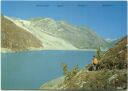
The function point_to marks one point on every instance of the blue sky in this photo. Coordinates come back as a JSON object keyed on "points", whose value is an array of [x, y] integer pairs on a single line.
{"points": [[108, 19]]}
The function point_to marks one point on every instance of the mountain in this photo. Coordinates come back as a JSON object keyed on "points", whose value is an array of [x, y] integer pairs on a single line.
{"points": [[49, 42], [80, 37], [16, 38], [113, 41], [62, 35]]}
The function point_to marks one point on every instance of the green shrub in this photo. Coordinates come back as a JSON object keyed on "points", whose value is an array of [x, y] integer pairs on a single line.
{"points": [[69, 74], [65, 69]]}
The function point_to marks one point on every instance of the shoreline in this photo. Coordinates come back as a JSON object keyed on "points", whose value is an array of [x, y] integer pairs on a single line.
{"points": [[5, 50], [51, 83]]}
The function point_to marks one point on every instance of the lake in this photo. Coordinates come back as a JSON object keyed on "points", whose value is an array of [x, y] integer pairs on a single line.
{"points": [[29, 70]]}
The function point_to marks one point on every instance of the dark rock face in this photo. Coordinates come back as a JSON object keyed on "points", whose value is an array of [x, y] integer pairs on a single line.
{"points": [[16, 38]]}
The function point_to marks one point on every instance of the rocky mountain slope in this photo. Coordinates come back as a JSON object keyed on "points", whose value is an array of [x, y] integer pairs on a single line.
{"points": [[110, 75], [16, 38], [59, 33], [49, 42], [115, 57], [80, 37]]}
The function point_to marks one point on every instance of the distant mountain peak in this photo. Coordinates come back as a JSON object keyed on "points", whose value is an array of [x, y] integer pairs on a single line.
{"points": [[110, 40]]}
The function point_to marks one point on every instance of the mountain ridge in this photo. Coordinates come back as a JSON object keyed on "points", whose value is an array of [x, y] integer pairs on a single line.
{"points": [[61, 35], [49, 42], [79, 37]]}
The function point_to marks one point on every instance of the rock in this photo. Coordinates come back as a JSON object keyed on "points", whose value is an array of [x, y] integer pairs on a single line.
{"points": [[113, 77], [54, 84]]}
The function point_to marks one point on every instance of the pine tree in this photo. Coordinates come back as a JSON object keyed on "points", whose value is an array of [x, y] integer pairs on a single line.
{"points": [[98, 53], [65, 69]]}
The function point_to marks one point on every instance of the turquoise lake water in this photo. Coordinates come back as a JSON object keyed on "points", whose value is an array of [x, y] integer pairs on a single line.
{"points": [[29, 70]]}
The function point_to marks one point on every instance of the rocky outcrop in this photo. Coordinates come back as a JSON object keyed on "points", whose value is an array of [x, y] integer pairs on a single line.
{"points": [[54, 84]]}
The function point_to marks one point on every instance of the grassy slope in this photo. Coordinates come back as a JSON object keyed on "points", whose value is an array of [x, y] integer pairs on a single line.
{"points": [[16, 38], [115, 57], [112, 72]]}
